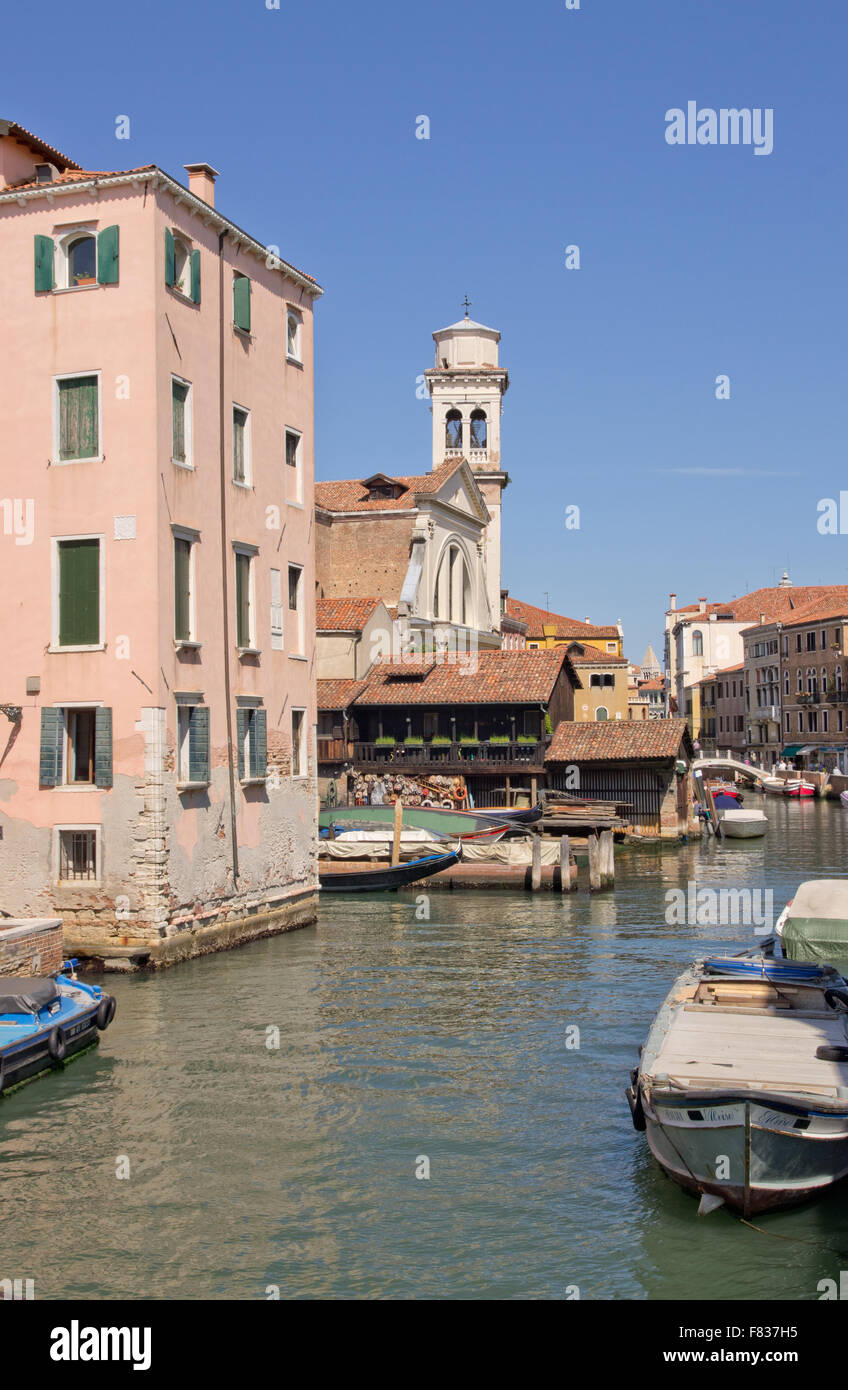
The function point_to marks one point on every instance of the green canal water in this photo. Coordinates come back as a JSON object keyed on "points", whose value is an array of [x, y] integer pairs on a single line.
{"points": [[295, 1166]]}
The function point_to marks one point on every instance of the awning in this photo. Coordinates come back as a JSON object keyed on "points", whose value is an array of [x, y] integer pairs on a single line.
{"points": [[790, 750], [809, 748]]}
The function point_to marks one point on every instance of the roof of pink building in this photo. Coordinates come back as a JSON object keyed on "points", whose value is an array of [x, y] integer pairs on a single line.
{"points": [[19, 132]]}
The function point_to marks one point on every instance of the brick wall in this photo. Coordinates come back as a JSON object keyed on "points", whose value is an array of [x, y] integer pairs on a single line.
{"points": [[33, 947], [362, 556]]}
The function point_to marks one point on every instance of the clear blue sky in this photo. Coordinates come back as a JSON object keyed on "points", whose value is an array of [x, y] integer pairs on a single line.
{"points": [[547, 128]]}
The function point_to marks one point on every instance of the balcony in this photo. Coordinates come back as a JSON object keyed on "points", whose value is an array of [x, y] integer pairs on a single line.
{"points": [[454, 756], [332, 750]]}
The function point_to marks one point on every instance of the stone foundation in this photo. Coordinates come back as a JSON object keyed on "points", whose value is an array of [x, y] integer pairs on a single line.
{"points": [[33, 947], [219, 929]]}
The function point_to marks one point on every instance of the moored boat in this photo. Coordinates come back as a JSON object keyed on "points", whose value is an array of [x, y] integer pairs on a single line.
{"points": [[742, 1087], [43, 1021], [459, 825], [740, 824], [814, 924], [350, 876], [773, 786], [843, 797], [517, 815], [799, 789]]}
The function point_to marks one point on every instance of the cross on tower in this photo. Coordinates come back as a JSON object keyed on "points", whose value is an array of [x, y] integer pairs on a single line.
{"points": [[467, 303]]}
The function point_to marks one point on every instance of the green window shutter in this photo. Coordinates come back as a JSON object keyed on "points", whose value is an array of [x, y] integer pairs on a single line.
{"points": [[179, 396], [195, 277], [103, 748], [242, 600], [49, 764], [44, 264], [241, 734], [182, 592], [259, 744], [107, 256], [170, 259], [198, 744], [79, 593], [78, 418], [241, 302]]}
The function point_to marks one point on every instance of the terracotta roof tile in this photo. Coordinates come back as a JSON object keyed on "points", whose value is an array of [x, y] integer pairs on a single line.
{"points": [[78, 176], [350, 494], [593, 656], [344, 614], [616, 740], [19, 132], [536, 618], [477, 678], [785, 602], [337, 693]]}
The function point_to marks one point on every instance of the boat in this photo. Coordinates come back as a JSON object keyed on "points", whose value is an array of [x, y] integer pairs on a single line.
{"points": [[350, 876], [814, 924], [725, 795], [459, 825], [742, 1086], [739, 824], [843, 797], [517, 815], [773, 786], [798, 788], [45, 1020]]}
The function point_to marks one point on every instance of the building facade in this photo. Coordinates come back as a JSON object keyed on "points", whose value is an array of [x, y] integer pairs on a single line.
{"points": [[157, 789]]}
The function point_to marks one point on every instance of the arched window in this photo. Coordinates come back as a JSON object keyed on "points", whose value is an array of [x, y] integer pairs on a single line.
{"points": [[182, 267], [811, 681], [453, 430], [697, 643], [839, 678], [602, 712], [453, 587], [478, 429], [76, 260], [293, 337], [800, 681], [824, 678]]}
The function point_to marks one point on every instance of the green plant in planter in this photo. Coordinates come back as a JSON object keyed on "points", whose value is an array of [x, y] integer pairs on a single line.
{"points": [[549, 728], [413, 741], [499, 738], [441, 740], [468, 738], [526, 738], [385, 741]]}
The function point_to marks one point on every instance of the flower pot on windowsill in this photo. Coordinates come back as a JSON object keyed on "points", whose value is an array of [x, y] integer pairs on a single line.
{"points": [[80, 280]]}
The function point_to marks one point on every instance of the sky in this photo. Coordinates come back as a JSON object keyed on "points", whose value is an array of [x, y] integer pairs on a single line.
{"points": [[547, 129]]}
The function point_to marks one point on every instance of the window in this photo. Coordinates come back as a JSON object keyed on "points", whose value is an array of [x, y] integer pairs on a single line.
{"points": [[293, 337], [81, 257], [594, 679], [76, 746], [610, 646], [184, 606], [453, 600], [82, 261], [824, 715], [245, 632], [786, 646], [786, 683], [77, 422], [298, 763], [78, 592], [786, 723], [811, 641], [609, 680], [813, 721], [296, 607], [79, 746], [800, 681], [839, 721], [241, 445], [602, 712], [798, 642], [276, 611], [241, 303], [478, 429], [181, 431], [823, 639], [800, 721], [78, 854], [697, 643], [182, 266], [252, 744], [192, 743], [294, 488], [453, 430]]}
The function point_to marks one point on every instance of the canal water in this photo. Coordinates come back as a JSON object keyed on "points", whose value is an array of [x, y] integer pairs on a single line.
{"points": [[407, 1044]]}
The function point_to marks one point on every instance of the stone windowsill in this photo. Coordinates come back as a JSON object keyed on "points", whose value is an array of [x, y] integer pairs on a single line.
{"points": [[192, 786], [252, 781], [248, 651], [186, 645]]}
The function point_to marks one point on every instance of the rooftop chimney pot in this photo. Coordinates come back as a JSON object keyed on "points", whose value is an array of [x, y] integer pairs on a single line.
{"points": [[201, 181]]}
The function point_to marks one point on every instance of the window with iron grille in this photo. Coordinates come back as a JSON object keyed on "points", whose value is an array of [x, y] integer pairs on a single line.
{"points": [[78, 855]]}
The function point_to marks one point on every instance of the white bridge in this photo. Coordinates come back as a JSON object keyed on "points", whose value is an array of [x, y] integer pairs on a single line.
{"points": [[756, 774]]}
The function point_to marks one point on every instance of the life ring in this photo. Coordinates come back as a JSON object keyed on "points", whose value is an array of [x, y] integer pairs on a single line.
{"points": [[106, 1011], [427, 802], [447, 804], [56, 1046]]}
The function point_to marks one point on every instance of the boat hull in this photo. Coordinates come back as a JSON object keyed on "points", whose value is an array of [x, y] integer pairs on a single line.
{"points": [[32, 1058], [459, 825], [800, 791], [744, 825], [765, 1161], [352, 878]]}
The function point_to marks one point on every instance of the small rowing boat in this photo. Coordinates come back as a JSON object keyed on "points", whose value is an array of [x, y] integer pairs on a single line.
{"points": [[739, 824]]}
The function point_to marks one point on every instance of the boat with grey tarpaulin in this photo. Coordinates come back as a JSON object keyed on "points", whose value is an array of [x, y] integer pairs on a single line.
{"points": [[459, 825], [742, 1086]]}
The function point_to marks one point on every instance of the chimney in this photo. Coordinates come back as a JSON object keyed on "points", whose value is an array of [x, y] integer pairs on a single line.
{"points": [[762, 619], [702, 605], [201, 181], [672, 602]]}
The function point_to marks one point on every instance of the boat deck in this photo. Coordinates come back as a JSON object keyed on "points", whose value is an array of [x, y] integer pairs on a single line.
{"points": [[769, 1049]]}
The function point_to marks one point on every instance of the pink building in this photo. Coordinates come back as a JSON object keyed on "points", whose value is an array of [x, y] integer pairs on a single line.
{"points": [[157, 770]]}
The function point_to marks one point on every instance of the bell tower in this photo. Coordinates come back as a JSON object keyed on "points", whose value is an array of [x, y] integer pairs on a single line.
{"points": [[467, 387]]}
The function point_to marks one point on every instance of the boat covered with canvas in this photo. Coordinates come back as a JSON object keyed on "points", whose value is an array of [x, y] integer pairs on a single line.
{"points": [[741, 824], [814, 924], [46, 1019], [742, 1086], [459, 825]]}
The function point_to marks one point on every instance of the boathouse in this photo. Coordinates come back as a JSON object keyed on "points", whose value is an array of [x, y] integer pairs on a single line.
{"points": [[642, 765]]}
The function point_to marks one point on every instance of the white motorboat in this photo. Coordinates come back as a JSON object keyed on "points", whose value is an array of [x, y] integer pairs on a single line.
{"points": [[773, 786], [743, 824], [742, 1087]]}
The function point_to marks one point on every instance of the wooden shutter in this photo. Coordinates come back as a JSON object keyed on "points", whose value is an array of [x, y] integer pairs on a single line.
{"points": [[50, 760], [276, 611], [179, 396], [79, 593], [241, 302], [103, 748], [239, 427], [195, 277], [170, 257], [198, 744], [258, 743], [78, 418], [107, 256], [241, 734], [182, 592], [44, 264]]}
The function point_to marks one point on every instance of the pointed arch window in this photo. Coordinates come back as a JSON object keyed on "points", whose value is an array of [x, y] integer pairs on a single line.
{"points": [[453, 587], [697, 643], [453, 430], [479, 429]]}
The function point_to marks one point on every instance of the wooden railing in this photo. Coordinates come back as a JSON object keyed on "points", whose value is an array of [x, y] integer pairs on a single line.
{"points": [[332, 750], [484, 754]]}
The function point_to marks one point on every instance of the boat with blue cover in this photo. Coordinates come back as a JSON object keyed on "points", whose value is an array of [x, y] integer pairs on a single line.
{"points": [[45, 1020]]}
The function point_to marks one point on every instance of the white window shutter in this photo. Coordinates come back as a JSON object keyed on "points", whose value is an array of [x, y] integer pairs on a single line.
{"points": [[276, 611]]}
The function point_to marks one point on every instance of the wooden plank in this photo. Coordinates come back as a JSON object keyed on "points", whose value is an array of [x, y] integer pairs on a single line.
{"points": [[396, 837]]}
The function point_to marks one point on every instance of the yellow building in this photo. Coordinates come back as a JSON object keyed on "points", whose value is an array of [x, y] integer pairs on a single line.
{"points": [[546, 629], [595, 651]]}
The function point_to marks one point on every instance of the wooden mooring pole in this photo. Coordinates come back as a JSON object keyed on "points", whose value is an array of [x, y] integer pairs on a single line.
{"points": [[396, 836], [565, 883], [593, 845], [607, 856], [536, 869]]}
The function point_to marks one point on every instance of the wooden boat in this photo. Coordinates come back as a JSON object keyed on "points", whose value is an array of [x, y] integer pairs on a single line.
{"points": [[799, 789], [739, 824], [459, 825], [43, 1021], [350, 876], [725, 794], [814, 924], [773, 786], [742, 1087], [517, 815]]}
